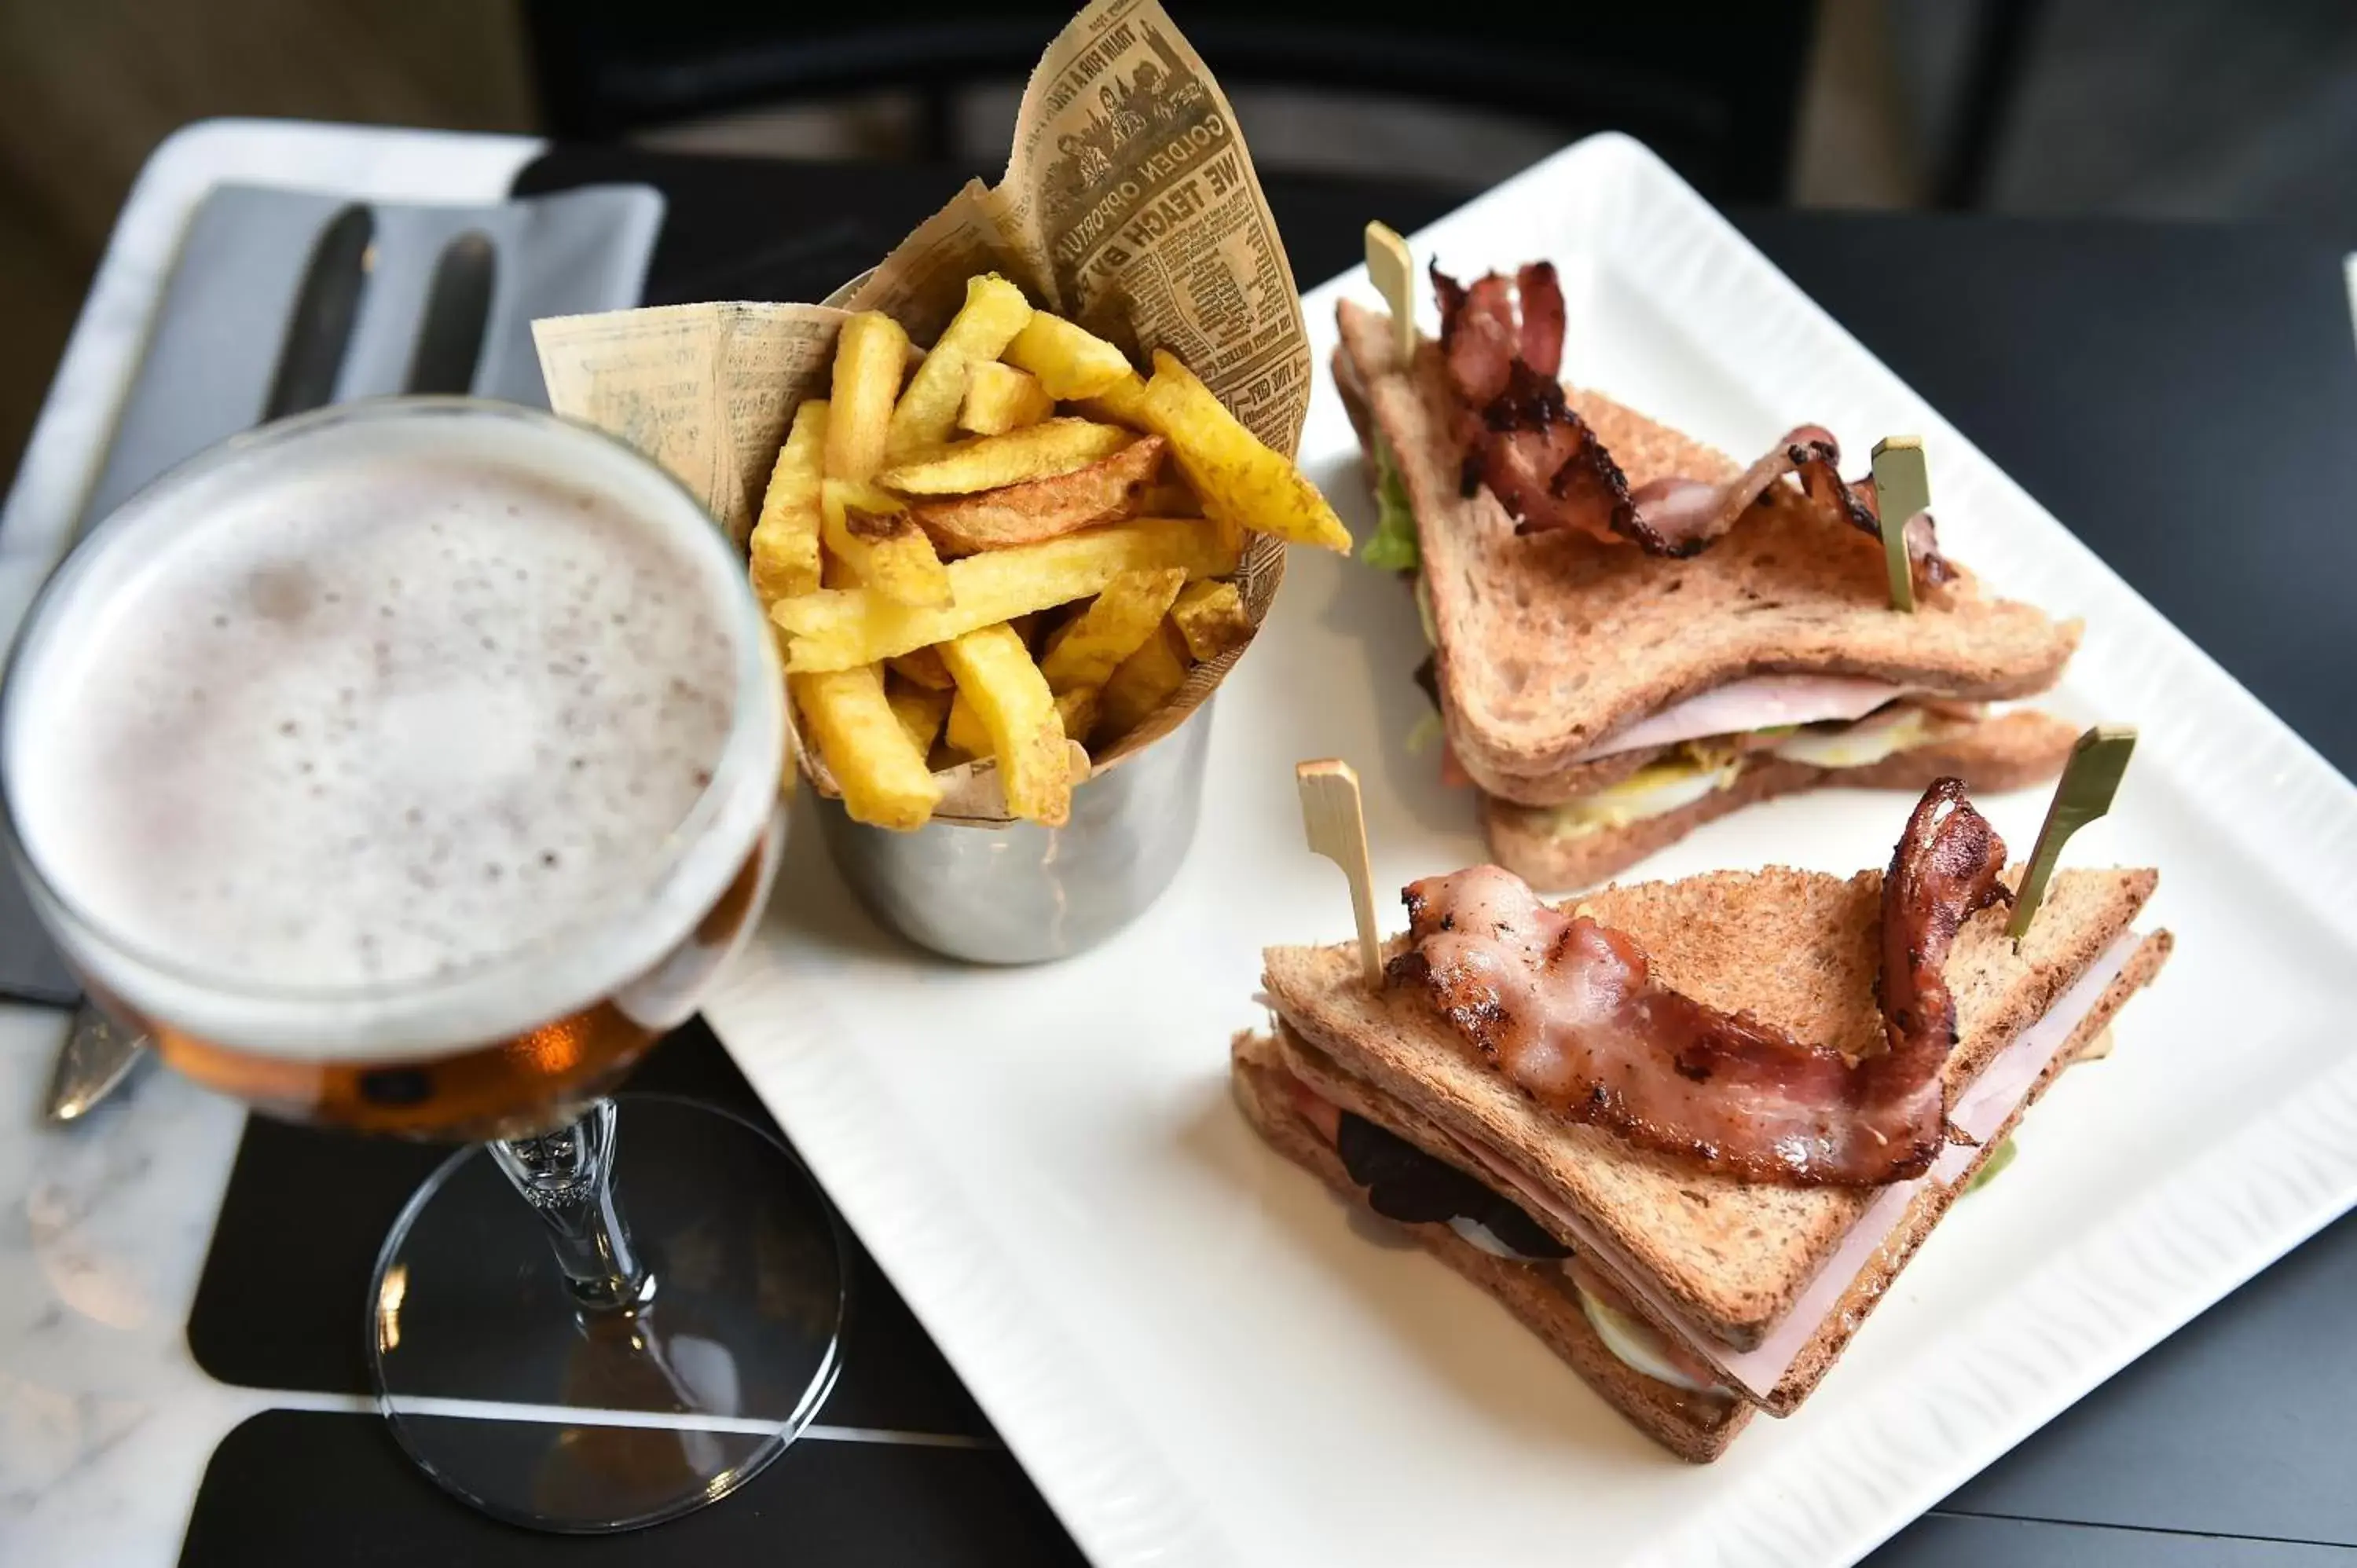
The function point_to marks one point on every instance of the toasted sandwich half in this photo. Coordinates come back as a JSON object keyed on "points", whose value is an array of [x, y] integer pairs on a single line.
{"points": [[1686, 1294], [1608, 699]]}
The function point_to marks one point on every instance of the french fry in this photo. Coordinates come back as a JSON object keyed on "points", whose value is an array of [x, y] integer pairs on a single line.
{"points": [[1086, 651], [1168, 498], [1039, 451], [1078, 708], [1242, 482], [964, 733], [876, 537], [1042, 509], [920, 712], [1122, 401], [837, 629], [1071, 361], [1210, 619], [994, 312], [1000, 398], [1145, 681], [869, 355], [783, 546], [883, 777], [924, 667], [967, 741], [995, 674]]}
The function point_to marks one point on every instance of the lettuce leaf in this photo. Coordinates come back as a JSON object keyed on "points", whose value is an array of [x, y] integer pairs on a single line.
{"points": [[1999, 1157], [1393, 547]]}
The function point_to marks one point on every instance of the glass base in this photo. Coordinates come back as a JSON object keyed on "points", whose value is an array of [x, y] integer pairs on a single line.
{"points": [[620, 1417]]}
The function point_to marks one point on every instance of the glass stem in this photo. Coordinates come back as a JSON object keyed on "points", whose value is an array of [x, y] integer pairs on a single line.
{"points": [[567, 1176]]}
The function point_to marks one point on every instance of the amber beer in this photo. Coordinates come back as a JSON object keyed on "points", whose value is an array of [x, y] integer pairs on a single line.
{"points": [[408, 768], [520, 1085]]}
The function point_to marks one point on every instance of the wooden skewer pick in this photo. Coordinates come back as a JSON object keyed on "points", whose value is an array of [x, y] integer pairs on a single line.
{"points": [[1902, 487], [2089, 781], [1335, 822], [1393, 269]]}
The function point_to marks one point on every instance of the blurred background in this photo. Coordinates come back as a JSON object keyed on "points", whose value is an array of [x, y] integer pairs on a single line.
{"points": [[2157, 109]]}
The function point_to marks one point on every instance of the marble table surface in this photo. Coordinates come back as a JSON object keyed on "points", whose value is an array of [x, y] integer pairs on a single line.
{"points": [[106, 1423]]}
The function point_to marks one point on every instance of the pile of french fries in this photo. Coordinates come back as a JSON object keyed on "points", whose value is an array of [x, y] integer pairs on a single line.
{"points": [[1017, 544]]}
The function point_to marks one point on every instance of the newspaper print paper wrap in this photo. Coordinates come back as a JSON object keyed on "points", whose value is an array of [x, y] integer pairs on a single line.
{"points": [[1129, 204]]}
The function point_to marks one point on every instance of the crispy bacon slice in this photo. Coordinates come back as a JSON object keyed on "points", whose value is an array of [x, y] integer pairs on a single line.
{"points": [[1487, 329], [1480, 337], [1568, 1009], [1541, 297], [1502, 344], [1814, 455], [1944, 871], [1545, 465], [1685, 517]]}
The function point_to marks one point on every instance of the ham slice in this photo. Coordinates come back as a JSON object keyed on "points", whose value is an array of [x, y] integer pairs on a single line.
{"points": [[1756, 702]]}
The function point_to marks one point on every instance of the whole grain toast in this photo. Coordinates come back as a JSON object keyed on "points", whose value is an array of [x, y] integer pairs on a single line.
{"points": [[2008, 751], [1797, 949], [1694, 1427], [1786, 589]]}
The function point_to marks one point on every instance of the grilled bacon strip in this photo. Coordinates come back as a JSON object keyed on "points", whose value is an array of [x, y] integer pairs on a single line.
{"points": [[1480, 336], [1944, 871], [1502, 345], [1543, 462], [1541, 297], [1814, 455], [1569, 1010]]}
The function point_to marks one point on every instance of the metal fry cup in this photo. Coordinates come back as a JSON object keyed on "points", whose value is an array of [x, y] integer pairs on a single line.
{"points": [[990, 890], [1024, 894]]}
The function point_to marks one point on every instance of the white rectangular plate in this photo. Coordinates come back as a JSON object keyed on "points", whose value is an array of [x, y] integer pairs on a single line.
{"points": [[1200, 1358]]}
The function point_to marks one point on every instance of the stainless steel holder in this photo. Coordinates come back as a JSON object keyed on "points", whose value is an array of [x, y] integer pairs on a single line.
{"points": [[1024, 893]]}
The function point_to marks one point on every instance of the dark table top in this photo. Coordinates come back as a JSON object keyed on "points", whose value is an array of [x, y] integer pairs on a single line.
{"points": [[2184, 397]]}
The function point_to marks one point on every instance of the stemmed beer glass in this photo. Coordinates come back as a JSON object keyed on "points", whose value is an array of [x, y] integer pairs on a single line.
{"points": [[411, 767]]}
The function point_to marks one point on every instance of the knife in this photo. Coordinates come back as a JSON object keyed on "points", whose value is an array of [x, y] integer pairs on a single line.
{"points": [[458, 308], [327, 308], [99, 1054]]}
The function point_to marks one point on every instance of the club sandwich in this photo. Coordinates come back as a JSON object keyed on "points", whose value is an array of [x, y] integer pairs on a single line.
{"points": [[1633, 633], [1690, 1132]]}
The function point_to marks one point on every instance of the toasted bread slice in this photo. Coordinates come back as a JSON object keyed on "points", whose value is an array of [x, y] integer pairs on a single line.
{"points": [[1795, 949], [2009, 751], [1694, 1427], [1027, 513], [1520, 618]]}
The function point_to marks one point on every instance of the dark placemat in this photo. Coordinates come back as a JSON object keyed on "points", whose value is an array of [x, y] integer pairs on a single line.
{"points": [[280, 1304], [300, 1487]]}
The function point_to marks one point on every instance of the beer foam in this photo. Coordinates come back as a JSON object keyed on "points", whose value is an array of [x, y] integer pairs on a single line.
{"points": [[384, 713]]}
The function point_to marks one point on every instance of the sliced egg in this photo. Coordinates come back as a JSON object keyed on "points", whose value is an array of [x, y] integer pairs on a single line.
{"points": [[1899, 728], [1482, 1236], [1648, 792], [1638, 1346]]}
